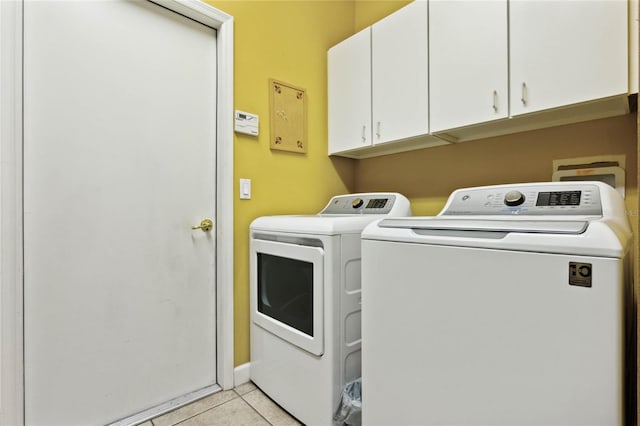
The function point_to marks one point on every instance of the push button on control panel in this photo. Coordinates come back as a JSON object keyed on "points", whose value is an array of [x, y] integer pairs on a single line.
{"points": [[514, 198]]}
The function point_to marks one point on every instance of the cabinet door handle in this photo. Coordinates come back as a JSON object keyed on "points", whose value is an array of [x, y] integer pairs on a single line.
{"points": [[495, 101], [378, 130], [524, 94], [364, 131]]}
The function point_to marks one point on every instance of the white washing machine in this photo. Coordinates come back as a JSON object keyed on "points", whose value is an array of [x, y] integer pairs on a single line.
{"points": [[508, 308], [305, 302]]}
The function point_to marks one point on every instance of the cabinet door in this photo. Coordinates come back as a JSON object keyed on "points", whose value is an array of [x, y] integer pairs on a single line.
{"points": [[400, 74], [566, 51], [468, 62], [349, 91]]}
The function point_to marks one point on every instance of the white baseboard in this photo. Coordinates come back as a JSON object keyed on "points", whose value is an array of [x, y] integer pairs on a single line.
{"points": [[241, 374]]}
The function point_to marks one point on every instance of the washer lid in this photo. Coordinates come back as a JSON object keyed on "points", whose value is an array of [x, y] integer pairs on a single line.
{"points": [[344, 214], [595, 237], [524, 226], [314, 225]]}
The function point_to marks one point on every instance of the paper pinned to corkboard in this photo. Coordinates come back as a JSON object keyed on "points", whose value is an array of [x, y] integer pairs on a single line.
{"points": [[288, 117]]}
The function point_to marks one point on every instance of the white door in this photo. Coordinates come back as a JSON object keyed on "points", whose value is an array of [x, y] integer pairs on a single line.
{"points": [[565, 52], [349, 93], [119, 163], [468, 49], [399, 64]]}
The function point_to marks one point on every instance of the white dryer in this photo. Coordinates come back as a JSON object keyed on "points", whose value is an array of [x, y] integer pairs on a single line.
{"points": [[305, 302], [508, 308]]}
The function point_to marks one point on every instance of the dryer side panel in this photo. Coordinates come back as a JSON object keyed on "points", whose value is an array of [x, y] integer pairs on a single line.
{"points": [[350, 309]]}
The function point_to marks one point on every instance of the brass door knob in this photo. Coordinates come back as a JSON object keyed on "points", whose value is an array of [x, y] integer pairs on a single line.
{"points": [[205, 225]]}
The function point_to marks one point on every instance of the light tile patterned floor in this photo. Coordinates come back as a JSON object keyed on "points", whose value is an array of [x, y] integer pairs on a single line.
{"points": [[244, 405]]}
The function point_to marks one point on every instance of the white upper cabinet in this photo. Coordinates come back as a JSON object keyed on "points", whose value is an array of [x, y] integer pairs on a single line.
{"points": [[468, 54], [379, 87], [349, 91], [564, 52], [399, 74], [442, 71]]}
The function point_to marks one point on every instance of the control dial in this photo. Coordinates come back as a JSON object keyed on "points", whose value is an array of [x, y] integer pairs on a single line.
{"points": [[514, 198], [357, 203]]}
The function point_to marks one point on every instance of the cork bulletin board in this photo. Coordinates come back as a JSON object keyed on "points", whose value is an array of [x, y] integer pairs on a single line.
{"points": [[288, 117]]}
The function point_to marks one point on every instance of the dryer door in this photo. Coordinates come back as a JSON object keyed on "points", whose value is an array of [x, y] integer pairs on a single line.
{"points": [[287, 292]]}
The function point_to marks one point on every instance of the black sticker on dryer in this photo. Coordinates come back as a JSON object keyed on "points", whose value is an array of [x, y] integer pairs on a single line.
{"points": [[580, 274]]}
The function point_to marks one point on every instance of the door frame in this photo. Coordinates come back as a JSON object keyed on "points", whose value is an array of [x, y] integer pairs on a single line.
{"points": [[11, 198]]}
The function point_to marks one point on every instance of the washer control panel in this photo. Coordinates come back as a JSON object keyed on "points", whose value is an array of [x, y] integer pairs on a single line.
{"points": [[550, 199], [381, 203]]}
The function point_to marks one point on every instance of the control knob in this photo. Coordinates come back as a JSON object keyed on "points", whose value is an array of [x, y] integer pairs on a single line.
{"points": [[357, 203], [514, 198]]}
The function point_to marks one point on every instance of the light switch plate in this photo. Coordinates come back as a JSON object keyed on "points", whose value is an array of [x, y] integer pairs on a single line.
{"points": [[245, 189]]}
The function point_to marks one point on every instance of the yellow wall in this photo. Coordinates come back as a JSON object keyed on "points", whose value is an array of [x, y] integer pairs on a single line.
{"points": [[428, 176], [369, 11], [636, 240], [287, 41]]}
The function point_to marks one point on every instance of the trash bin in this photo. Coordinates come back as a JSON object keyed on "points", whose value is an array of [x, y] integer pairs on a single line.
{"points": [[349, 409]]}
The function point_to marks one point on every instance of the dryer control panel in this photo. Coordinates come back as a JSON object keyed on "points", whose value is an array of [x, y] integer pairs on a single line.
{"points": [[369, 203], [580, 199]]}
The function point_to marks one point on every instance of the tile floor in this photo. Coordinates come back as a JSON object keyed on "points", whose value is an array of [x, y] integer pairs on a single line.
{"points": [[244, 405]]}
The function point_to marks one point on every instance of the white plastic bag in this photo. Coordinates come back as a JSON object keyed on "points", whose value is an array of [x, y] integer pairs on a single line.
{"points": [[350, 407]]}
